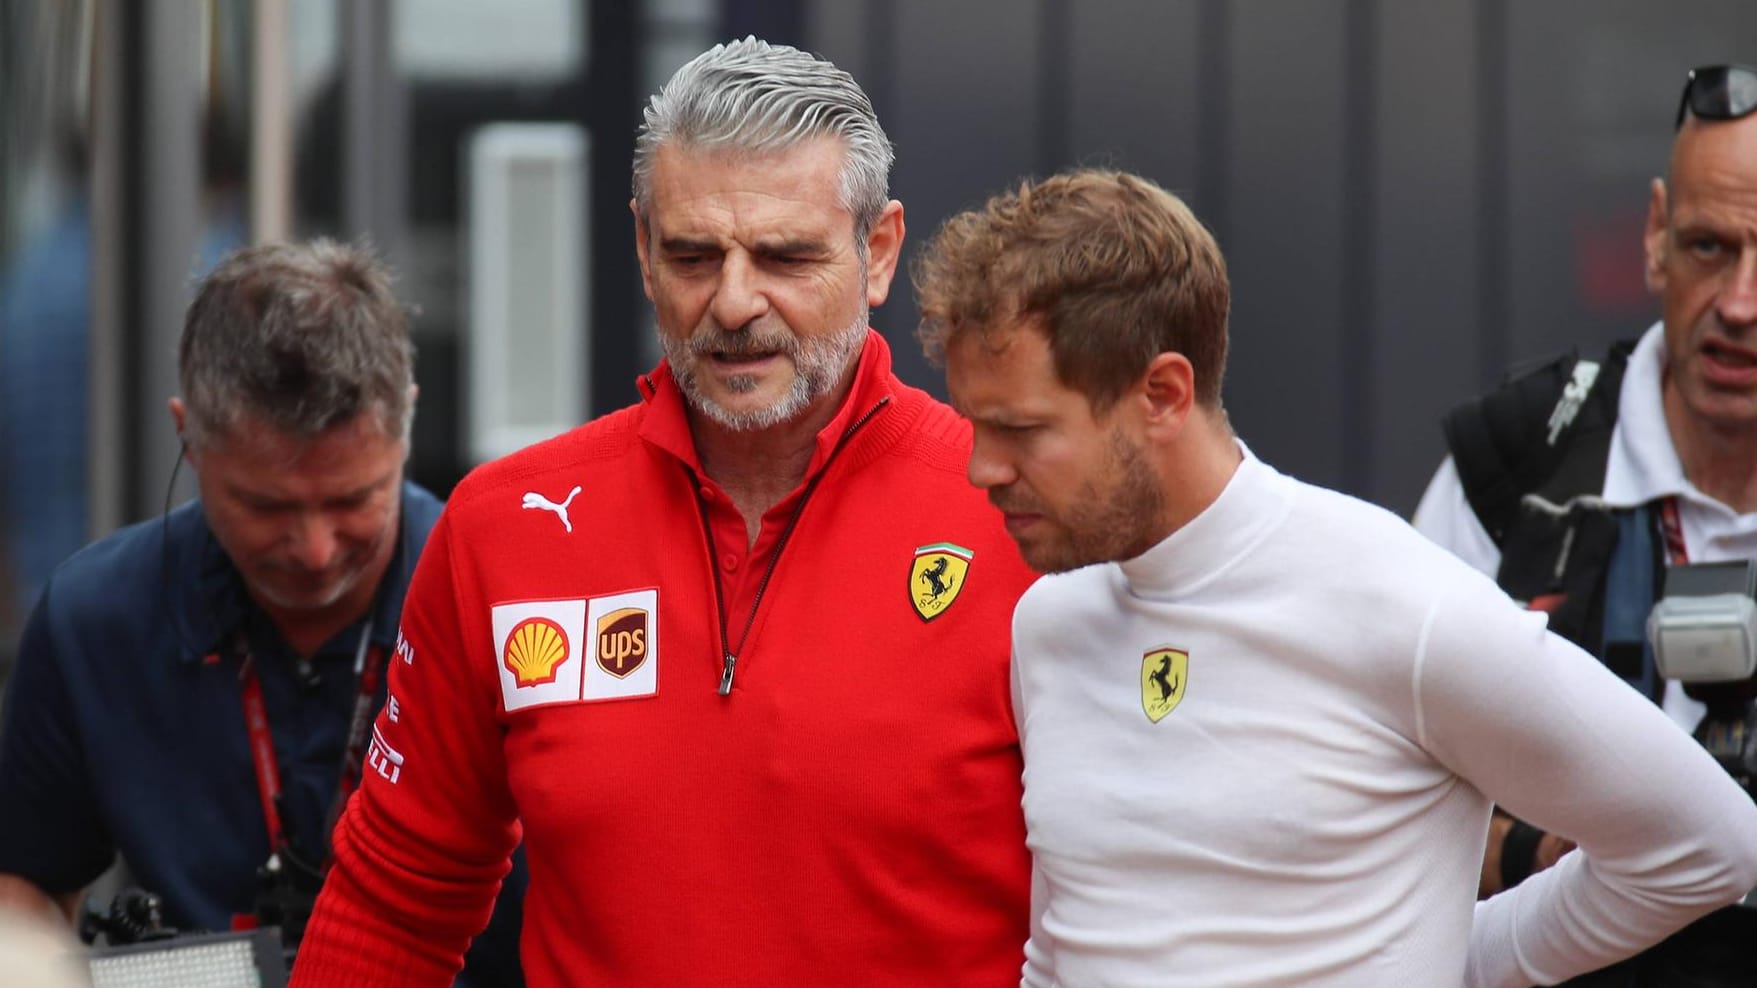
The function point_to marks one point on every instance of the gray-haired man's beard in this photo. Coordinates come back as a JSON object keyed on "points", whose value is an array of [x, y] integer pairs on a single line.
{"points": [[819, 363]]}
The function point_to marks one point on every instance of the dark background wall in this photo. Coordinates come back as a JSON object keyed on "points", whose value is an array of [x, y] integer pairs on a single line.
{"points": [[1411, 194]]}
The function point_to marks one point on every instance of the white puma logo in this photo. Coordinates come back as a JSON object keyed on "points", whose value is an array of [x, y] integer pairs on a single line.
{"points": [[536, 500]]}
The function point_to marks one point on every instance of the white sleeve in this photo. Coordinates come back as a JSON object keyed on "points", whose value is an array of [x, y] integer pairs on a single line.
{"points": [[1039, 971], [1542, 728], [1039, 962], [1446, 518]]}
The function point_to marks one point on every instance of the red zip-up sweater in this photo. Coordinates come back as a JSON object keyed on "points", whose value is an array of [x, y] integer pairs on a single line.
{"points": [[789, 765]]}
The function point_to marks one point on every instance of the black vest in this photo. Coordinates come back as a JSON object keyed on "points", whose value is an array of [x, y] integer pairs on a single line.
{"points": [[1531, 456]]}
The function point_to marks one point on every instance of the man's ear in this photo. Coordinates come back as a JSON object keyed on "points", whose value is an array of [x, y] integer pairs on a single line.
{"points": [[884, 245], [179, 415], [1168, 391], [640, 248], [1655, 239]]}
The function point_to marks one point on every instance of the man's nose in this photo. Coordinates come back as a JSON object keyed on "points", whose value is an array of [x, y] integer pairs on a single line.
{"points": [[316, 542], [987, 469], [1736, 304], [739, 298]]}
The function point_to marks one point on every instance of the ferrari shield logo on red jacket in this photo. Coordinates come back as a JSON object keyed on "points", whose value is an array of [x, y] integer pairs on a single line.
{"points": [[937, 577]]}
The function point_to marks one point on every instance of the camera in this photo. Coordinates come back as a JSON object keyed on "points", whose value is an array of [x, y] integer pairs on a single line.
{"points": [[1703, 631], [131, 945], [1704, 628], [135, 916], [139, 951]]}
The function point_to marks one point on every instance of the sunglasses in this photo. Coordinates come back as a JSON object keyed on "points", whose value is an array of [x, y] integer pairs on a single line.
{"points": [[1718, 92]]}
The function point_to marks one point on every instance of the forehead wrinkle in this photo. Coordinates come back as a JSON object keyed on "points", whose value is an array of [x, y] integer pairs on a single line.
{"points": [[1722, 212], [1722, 152], [996, 366], [714, 220], [791, 182]]}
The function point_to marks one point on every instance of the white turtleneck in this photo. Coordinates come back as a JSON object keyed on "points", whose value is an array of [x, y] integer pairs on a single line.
{"points": [[1313, 810]]}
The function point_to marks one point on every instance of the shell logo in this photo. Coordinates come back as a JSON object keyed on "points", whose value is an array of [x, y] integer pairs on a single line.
{"points": [[535, 650]]}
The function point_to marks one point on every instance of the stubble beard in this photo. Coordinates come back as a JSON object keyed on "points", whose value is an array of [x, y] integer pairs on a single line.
{"points": [[818, 365], [1109, 523]]}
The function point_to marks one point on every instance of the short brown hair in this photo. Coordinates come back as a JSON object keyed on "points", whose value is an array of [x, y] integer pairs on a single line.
{"points": [[303, 336], [1115, 269]]}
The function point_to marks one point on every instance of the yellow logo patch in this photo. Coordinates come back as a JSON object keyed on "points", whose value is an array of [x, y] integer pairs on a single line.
{"points": [[1165, 671], [534, 650], [937, 578]]}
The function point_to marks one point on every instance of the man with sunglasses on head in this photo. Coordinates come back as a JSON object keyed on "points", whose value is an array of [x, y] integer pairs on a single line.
{"points": [[1582, 484]]}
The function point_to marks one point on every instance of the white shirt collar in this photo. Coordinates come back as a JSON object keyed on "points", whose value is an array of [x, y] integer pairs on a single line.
{"points": [[1253, 502], [1644, 465]]}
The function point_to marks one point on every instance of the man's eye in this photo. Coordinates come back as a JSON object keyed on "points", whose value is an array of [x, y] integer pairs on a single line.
{"points": [[1705, 248]]}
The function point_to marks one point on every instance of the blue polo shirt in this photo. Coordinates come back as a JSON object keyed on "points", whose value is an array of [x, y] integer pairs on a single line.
{"points": [[123, 727]]}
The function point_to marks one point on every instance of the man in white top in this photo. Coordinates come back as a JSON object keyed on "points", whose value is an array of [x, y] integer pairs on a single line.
{"points": [[1263, 722], [1670, 450]]}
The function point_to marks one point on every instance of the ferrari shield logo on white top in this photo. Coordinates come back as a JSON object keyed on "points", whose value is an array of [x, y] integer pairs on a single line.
{"points": [[1165, 674]]}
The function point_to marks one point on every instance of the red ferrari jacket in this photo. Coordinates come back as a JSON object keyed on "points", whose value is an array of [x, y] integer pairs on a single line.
{"points": [[789, 765]]}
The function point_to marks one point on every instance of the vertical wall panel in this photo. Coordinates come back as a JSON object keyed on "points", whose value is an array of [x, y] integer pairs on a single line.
{"points": [[1136, 90], [1425, 316], [1286, 216], [841, 32], [164, 246], [964, 126]]}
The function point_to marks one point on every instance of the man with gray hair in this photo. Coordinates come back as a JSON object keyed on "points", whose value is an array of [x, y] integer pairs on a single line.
{"points": [[194, 692], [735, 657]]}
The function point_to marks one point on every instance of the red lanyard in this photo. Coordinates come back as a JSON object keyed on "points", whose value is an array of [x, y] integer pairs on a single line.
{"points": [[1672, 530], [368, 667]]}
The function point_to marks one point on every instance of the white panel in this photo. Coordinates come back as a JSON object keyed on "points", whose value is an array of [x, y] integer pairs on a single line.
{"points": [[526, 351]]}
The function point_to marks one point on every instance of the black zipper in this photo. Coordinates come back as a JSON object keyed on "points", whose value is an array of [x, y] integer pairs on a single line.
{"points": [[729, 657]]}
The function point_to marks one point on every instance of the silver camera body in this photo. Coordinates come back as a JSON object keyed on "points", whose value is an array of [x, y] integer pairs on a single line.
{"points": [[1704, 628]]}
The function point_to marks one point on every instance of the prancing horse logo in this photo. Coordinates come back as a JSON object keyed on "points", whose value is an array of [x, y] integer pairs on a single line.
{"points": [[937, 577], [536, 500], [1165, 674]]}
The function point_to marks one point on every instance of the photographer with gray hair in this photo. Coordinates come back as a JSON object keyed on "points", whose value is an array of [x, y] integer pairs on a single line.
{"points": [[194, 692], [734, 657]]}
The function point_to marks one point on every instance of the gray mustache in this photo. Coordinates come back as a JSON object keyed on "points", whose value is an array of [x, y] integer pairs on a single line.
{"points": [[740, 344]]}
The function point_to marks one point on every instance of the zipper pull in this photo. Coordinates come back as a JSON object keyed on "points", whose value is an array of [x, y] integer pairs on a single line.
{"points": [[726, 674]]}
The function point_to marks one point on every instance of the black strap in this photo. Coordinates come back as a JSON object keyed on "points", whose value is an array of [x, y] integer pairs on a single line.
{"points": [[369, 664], [1518, 852], [1546, 430]]}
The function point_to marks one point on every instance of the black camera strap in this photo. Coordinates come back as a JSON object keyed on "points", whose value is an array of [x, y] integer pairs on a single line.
{"points": [[369, 662]]}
